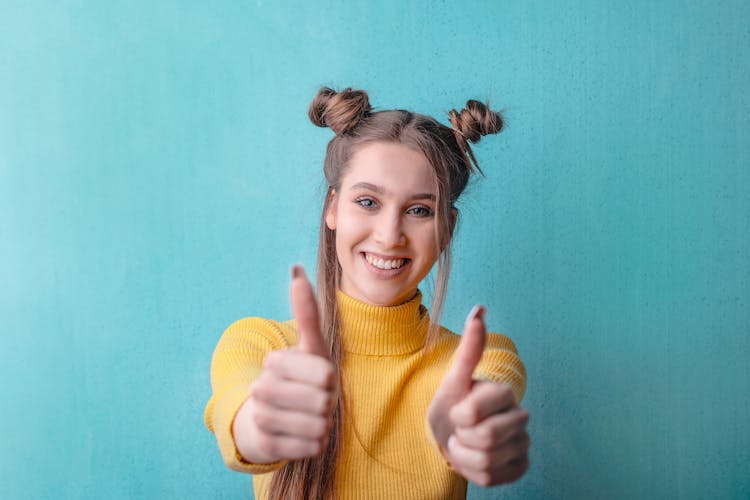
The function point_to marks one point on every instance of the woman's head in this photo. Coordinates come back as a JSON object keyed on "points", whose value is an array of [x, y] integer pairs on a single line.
{"points": [[361, 132], [382, 215]]}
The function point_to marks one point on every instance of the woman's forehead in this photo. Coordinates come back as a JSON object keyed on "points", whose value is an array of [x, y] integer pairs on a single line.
{"points": [[390, 167]]}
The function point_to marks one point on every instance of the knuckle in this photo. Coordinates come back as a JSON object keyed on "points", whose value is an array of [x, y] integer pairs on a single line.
{"points": [[506, 391], [485, 434], [488, 445], [519, 470], [261, 391], [482, 439], [312, 448], [321, 372], [324, 404], [525, 442], [328, 375], [271, 359], [496, 433], [320, 428], [522, 416], [483, 462], [484, 479], [453, 416], [463, 413], [264, 420], [267, 445], [315, 448], [462, 435]]}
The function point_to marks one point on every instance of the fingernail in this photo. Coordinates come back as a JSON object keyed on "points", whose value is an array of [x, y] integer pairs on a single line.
{"points": [[477, 312], [472, 313], [480, 312], [297, 271], [451, 442]]}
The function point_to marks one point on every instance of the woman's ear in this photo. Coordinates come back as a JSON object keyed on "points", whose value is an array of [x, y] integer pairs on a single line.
{"points": [[331, 209]]}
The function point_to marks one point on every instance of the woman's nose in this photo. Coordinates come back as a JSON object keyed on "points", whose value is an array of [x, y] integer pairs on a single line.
{"points": [[389, 231]]}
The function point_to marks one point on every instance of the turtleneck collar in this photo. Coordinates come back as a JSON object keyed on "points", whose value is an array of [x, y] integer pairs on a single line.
{"points": [[382, 330]]}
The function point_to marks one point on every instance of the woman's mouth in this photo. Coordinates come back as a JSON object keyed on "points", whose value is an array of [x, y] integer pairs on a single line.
{"points": [[382, 263], [385, 264]]}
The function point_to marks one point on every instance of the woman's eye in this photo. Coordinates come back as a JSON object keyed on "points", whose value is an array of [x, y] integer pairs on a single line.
{"points": [[421, 211], [367, 203]]}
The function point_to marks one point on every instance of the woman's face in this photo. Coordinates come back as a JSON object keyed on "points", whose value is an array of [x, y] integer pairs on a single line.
{"points": [[384, 218]]}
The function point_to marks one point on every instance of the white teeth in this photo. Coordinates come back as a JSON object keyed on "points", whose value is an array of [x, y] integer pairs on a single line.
{"points": [[384, 264]]}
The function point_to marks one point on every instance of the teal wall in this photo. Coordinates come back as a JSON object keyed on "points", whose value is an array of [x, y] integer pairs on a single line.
{"points": [[158, 176]]}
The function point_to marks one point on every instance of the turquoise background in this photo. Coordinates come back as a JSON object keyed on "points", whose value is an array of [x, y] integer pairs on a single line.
{"points": [[158, 176]]}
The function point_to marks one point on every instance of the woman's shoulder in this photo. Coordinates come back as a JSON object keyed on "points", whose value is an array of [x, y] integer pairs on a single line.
{"points": [[257, 330]]}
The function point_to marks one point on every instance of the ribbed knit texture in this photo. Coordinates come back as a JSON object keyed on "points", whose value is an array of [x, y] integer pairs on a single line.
{"points": [[389, 379]]}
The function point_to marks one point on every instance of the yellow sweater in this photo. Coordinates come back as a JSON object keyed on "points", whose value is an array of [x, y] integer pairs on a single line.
{"points": [[389, 380]]}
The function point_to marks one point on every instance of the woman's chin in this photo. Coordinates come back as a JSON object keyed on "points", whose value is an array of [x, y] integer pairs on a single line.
{"points": [[377, 292]]}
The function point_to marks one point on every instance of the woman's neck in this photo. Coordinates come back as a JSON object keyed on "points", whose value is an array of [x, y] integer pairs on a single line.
{"points": [[382, 330]]}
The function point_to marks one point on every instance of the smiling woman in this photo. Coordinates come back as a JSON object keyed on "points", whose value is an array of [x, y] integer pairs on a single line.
{"points": [[383, 216], [363, 394]]}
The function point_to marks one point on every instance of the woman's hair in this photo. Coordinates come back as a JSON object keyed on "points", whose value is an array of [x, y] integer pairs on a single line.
{"points": [[349, 114]]}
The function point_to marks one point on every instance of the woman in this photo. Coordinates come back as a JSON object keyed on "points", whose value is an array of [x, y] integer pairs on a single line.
{"points": [[362, 395]]}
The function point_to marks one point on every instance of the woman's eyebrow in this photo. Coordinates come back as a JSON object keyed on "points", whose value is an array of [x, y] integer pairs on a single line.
{"points": [[377, 189], [367, 185], [424, 196]]}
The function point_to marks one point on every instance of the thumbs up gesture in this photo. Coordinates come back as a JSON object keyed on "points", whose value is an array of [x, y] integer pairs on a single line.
{"points": [[477, 424], [289, 413]]}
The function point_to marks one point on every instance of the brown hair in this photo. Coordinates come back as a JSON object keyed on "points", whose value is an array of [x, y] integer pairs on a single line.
{"points": [[349, 114]]}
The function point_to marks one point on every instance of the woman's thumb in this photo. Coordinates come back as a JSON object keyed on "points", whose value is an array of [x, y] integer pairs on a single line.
{"points": [[468, 353], [305, 311]]}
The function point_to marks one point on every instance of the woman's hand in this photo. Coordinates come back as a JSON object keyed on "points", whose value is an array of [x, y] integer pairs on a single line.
{"points": [[477, 424], [289, 413]]}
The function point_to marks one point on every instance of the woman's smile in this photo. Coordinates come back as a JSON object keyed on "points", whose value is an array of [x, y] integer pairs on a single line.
{"points": [[380, 263]]}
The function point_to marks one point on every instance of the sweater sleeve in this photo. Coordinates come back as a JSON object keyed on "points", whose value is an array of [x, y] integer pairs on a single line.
{"points": [[237, 361], [500, 363]]}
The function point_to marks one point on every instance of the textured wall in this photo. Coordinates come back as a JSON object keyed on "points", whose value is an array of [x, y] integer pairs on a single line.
{"points": [[158, 176]]}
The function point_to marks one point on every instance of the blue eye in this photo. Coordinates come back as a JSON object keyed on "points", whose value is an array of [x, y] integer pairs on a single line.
{"points": [[366, 203], [421, 211]]}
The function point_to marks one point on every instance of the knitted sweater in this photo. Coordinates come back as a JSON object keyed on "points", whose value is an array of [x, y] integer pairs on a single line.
{"points": [[389, 379]]}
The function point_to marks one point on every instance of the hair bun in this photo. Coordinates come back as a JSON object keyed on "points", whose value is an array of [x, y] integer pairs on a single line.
{"points": [[341, 111], [474, 121]]}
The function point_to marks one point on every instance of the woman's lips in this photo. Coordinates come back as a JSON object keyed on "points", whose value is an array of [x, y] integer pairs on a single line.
{"points": [[385, 266]]}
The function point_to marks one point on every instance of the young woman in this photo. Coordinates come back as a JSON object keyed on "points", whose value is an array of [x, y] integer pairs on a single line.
{"points": [[363, 395]]}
